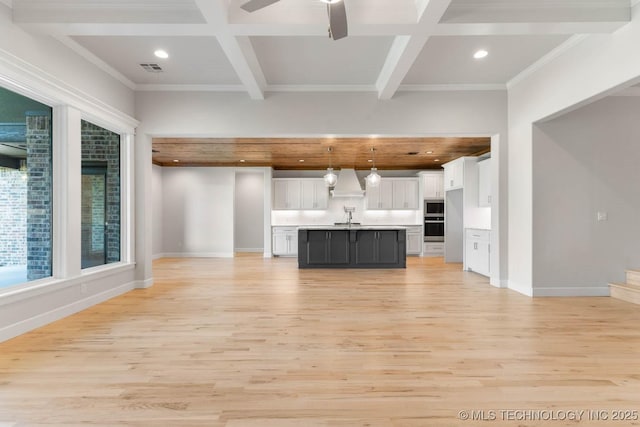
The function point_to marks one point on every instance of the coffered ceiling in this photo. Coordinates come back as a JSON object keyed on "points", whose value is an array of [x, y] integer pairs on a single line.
{"points": [[393, 45]]}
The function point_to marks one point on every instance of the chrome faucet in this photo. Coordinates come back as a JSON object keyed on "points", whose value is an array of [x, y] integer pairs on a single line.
{"points": [[349, 211]]}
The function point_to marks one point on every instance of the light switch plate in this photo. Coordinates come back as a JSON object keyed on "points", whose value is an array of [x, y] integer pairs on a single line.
{"points": [[603, 216]]}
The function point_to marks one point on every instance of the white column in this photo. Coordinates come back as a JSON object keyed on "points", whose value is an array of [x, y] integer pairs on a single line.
{"points": [[143, 204]]}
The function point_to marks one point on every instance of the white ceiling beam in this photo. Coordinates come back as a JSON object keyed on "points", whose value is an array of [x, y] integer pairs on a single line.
{"points": [[527, 28], [405, 49], [238, 49]]}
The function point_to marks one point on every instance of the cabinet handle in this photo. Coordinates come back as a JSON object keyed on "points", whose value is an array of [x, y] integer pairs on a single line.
{"points": [[489, 199], [451, 183], [475, 245]]}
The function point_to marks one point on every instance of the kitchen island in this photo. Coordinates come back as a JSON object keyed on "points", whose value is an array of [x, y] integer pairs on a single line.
{"points": [[352, 247]]}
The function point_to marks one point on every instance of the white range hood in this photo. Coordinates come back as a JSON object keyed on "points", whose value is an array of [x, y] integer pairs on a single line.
{"points": [[347, 185]]}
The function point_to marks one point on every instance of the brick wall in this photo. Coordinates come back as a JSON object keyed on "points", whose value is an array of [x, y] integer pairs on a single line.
{"points": [[13, 217], [39, 195], [100, 146]]}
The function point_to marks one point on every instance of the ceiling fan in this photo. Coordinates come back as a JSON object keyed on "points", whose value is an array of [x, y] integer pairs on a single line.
{"points": [[335, 9]]}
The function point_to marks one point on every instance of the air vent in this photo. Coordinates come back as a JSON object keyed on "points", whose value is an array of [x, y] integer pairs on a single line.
{"points": [[152, 68]]}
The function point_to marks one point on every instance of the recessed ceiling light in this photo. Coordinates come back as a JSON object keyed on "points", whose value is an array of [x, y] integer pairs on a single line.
{"points": [[330, 1], [176, 161], [161, 54], [480, 54], [436, 160], [370, 160], [242, 161], [429, 152], [301, 160]]}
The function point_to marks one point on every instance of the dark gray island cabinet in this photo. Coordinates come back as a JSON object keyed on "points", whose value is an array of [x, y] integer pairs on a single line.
{"points": [[352, 247]]}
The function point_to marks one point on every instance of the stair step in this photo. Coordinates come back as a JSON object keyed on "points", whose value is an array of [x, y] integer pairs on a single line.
{"points": [[625, 292], [633, 277]]}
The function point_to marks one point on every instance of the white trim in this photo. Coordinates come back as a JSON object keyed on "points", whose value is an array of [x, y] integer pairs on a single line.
{"points": [[498, 283], [452, 87], [571, 291], [189, 88], [320, 88], [197, 255], [157, 256], [45, 286], [553, 54], [252, 250], [42, 319], [29, 80], [9, 3], [91, 57]]}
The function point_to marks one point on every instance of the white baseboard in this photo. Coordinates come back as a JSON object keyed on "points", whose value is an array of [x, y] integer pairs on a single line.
{"points": [[252, 250], [157, 256], [142, 284], [39, 320], [499, 283], [571, 291], [196, 255]]}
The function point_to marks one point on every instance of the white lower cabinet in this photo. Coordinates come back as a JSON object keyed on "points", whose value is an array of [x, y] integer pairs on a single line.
{"points": [[477, 251], [285, 241], [433, 249], [414, 240]]}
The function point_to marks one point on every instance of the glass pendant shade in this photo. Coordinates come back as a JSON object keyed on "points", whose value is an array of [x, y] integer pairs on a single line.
{"points": [[373, 179], [330, 178]]}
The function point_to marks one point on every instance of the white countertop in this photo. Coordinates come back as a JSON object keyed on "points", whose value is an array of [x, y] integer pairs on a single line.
{"points": [[353, 227]]}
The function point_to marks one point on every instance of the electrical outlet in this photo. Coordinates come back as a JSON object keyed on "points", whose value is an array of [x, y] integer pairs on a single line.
{"points": [[603, 216]]}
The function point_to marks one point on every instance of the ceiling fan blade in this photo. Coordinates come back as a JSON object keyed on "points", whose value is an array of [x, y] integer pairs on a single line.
{"points": [[253, 5], [337, 20]]}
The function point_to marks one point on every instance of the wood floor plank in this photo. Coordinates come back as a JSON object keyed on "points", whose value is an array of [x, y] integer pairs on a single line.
{"points": [[252, 342]]}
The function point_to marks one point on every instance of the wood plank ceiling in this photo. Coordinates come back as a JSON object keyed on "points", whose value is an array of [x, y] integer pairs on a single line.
{"points": [[312, 153]]}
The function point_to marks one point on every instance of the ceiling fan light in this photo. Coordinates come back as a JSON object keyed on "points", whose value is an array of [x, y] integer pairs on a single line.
{"points": [[330, 178], [373, 179]]}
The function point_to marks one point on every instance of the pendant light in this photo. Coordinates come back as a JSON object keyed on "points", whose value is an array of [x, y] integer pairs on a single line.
{"points": [[373, 179], [330, 178]]}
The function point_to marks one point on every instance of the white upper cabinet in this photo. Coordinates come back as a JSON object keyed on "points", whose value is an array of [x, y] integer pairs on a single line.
{"points": [[315, 194], [454, 174], [300, 193], [405, 194], [484, 183], [393, 193], [380, 196], [433, 182]]}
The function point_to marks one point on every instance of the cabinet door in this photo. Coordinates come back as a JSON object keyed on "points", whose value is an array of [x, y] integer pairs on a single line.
{"points": [[308, 199], [292, 244], [366, 247], [387, 242], [453, 175], [279, 194], [471, 254], [433, 186], [484, 183], [411, 195], [386, 194], [414, 243], [338, 246], [373, 197], [321, 195], [317, 251], [280, 244], [293, 194]]}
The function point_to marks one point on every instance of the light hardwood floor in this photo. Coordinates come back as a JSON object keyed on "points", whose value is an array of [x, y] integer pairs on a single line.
{"points": [[256, 342]]}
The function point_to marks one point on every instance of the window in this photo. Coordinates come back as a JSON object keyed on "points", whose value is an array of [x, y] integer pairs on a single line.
{"points": [[25, 189], [101, 203]]}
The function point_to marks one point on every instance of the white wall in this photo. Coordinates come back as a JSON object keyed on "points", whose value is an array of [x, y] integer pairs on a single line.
{"points": [[198, 205], [590, 70], [586, 162], [46, 70], [249, 212], [157, 210], [26, 52]]}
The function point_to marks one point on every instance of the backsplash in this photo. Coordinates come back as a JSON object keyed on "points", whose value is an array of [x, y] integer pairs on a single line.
{"points": [[335, 213]]}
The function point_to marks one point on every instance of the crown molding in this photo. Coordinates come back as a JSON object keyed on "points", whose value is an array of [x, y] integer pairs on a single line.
{"points": [[188, 88], [320, 88], [564, 47], [451, 87]]}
